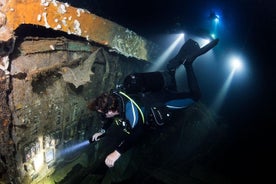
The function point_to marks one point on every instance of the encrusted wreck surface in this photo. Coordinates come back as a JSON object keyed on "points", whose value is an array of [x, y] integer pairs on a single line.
{"points": [[47, 81], [50, 89], [59, 16]]}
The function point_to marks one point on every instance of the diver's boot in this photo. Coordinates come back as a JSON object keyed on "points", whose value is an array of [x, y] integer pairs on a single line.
{"points": [[197, 52]]}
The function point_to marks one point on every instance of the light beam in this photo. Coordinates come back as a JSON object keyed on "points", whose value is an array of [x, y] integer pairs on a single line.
{"points": [[164, 57]]}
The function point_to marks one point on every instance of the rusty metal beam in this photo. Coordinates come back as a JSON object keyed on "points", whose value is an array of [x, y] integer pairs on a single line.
{"points": [[63, 17]]}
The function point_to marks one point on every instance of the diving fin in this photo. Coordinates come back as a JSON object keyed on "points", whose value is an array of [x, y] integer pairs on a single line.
{"points": [[189, 52], [206, 48]]}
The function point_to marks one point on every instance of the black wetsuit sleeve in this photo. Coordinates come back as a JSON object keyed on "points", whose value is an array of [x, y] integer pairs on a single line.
{"points": [[130, 139]]}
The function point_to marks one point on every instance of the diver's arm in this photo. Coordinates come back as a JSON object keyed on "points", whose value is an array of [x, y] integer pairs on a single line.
{"points": [[128, 141]]}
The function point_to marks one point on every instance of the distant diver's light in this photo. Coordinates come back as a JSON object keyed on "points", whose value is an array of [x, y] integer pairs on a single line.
{"points": [[236, 63], [216, 19], [213, 35]]}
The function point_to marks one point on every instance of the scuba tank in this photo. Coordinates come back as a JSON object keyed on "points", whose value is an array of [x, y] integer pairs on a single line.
{"points": [[137, 85], [143, 82]]}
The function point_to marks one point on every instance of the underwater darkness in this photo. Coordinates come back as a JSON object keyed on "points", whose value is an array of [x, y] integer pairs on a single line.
{"points": [[247, 28]]}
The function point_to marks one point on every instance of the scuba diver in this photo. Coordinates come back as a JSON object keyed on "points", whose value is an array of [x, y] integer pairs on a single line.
{"points": [[146, 99]]}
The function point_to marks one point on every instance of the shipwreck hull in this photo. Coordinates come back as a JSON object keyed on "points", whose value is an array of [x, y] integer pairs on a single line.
{"points": [[47, 79], [50, 101]]}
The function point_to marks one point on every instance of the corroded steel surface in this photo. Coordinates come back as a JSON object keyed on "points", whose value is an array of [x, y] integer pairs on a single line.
{"points": [[52, 80], [63, 17]]}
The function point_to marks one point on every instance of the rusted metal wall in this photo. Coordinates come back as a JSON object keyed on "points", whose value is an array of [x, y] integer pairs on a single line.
{"points": [[46, 82], [44, 97], [7, 150], [71, 20]]}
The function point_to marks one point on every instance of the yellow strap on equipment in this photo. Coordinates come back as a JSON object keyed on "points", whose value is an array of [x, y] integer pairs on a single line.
{"points": [[139, 109]]}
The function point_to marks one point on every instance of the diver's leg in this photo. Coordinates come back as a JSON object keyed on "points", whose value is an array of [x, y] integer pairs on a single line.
{"points": [[169, 80], [189, 47], [174, 99], [192, 82]]}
